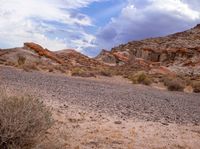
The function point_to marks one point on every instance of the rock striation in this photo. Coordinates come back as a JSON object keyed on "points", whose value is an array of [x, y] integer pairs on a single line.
{"points": [[179, 51]]}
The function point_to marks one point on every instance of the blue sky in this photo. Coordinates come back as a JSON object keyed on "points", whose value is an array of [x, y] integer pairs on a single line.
{"points": [[91, 25]]}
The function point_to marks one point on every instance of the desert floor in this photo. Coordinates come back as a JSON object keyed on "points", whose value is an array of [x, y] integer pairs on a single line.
{"points": [[110, 113]]}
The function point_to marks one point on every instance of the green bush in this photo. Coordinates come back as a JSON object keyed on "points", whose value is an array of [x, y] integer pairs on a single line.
{"points": [[22, 120]]}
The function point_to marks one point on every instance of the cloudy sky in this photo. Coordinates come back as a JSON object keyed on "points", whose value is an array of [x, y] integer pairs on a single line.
{"points": [[90, 25]]}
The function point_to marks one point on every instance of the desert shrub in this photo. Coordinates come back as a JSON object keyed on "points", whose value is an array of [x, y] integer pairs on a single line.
{"points": [[21, 60], [82, 73], [22, 120], [105, 72], [76, 71], [196, 87], [60, 69], [140, 78], [174, 84], [9, 63], [50, 69]]}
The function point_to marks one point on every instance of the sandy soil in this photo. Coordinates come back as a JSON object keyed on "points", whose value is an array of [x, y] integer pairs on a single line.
{"points": [[110, 114], [78, 129]]}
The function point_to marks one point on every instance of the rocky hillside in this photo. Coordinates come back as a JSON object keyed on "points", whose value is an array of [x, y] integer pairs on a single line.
{"points": [[174, 55], [34, 57], [179, 53], [77, 59]]}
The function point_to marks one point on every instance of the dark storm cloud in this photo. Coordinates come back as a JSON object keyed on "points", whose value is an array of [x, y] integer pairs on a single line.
{"points": [[148, 18]]}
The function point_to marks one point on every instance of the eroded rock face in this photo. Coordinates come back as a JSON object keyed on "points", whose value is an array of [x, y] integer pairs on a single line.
{"points": [[181, 50], [42, 52], [77, 58], [163, 71], [107, 58]]}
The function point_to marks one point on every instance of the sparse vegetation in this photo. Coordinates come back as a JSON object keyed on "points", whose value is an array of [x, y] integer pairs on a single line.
{"points": [[22, 121], [77, 72], [82, 73], [8, 63], [105, 72], [21, 60], [51, 70], [174, 84], [60, 69], [29, 67], [140, 78], [196, 87]]}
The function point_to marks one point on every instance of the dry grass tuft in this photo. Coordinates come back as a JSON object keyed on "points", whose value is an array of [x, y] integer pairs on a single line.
{"points": [[23, 119], [196, 87], [140, 78], [60, 69], [21, 60], [79, 72], [174, 84]]}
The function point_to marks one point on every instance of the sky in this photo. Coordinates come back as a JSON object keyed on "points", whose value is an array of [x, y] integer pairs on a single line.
{"points": [[91, 25]]}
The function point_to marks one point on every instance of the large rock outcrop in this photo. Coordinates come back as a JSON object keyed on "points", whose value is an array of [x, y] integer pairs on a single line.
{"points": [[181, 50], [36, 57], [42, 52]]}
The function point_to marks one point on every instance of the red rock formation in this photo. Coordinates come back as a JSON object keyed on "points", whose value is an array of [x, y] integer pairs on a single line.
{"points": [[77, 59], [175, 49], [42, 52], [120, 56], [163, 71]]}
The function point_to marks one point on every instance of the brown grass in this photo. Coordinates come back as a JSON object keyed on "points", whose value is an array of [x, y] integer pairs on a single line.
{"points": [[140, 78], [82, 72], [196, 87], [60, 69], [21, 60], [23, 119], [174, 84], [105, 72]]}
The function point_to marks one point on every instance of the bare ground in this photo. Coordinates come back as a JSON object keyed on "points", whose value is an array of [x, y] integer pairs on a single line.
{"points": [[110, 113]]}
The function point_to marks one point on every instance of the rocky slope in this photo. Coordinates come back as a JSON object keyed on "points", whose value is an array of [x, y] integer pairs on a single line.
{"points": [[34, 57], [176, 55], [178, 52], [77, 59]]}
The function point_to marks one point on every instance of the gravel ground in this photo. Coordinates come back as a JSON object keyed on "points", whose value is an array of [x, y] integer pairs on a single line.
{"points": [[116, 99]]}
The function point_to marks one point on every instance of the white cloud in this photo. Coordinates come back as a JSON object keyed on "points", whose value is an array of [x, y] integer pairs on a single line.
{"points": [[86, 41], [149, 18], [35, 20], [177, 7], [194, 4]]}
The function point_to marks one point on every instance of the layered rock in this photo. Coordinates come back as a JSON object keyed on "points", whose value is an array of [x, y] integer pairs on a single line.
{"points": [[42, 52], [76, 58], [34, 57], [181, 50]]}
